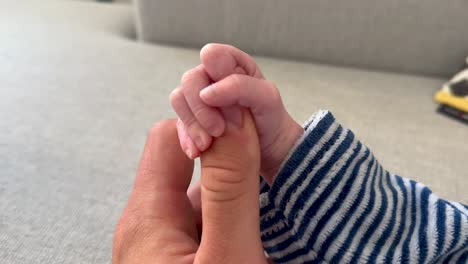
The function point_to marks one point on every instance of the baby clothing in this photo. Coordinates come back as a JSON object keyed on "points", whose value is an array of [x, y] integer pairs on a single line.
{"points": [[332, 202]]}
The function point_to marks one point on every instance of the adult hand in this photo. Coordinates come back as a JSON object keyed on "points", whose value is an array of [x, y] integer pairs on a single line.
{"points": [[159, 224]]}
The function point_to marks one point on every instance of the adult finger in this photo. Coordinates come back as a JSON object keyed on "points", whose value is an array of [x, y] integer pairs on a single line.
{"points": [[163, 168], [229, 196], [210, 119], [222, 60], [158, 210], [194, 195]]}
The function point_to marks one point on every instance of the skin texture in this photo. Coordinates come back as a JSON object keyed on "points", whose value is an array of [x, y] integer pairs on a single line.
{"points": [[226, 79], [159, 223]]}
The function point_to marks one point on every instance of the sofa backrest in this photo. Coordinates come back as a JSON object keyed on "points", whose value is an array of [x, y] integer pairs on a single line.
{"points": [[427, 37]]}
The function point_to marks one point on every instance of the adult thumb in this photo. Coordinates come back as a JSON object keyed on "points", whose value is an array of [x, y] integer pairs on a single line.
{"points": [[229, 195]]}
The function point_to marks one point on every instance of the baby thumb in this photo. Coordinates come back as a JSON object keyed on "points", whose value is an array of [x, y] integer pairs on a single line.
{"points": [[229, 195]]}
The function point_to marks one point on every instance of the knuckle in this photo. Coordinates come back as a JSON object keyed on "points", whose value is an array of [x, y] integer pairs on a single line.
{"points": [[189, 75], [223, 183], [210, 47], [190, 123], [225, 171], [200, 110], [165, 126], [212, 52], [235, 80], [175, 96], [232, 166], [186, 75], [274, 92]]}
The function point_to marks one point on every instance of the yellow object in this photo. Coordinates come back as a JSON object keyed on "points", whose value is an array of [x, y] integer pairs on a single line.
{"points": [[444, 97]]}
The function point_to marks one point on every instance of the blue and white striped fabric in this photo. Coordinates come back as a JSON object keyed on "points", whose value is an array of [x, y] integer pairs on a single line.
{"points": [[332, 202]]}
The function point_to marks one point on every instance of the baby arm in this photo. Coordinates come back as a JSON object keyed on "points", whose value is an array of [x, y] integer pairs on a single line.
{"points": [[333, 202]]}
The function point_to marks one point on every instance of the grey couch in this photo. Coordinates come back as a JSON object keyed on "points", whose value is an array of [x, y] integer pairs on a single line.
{"points": [[78, 92]]}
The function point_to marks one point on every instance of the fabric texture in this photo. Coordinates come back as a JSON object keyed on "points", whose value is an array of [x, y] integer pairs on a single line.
{"points": [[333, 202], [403, 36]]}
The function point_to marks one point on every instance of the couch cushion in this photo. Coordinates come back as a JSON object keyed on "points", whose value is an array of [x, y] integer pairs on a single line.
{"points": [[425, 37], [45, 15], [76, 104]]}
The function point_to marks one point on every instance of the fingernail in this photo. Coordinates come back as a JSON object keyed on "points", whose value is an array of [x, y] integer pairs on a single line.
{"points": [[216, 130], [199, 142], [208, 92]]}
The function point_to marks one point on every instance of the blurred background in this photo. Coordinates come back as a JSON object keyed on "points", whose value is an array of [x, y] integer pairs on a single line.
{"points": [[81, 83]]}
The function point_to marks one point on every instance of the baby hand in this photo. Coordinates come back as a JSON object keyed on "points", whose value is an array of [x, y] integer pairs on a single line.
{"points": [[209, 93]]}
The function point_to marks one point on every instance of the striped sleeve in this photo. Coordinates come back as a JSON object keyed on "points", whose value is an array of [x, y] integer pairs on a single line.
{"points": [[333, 202]]}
